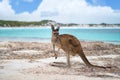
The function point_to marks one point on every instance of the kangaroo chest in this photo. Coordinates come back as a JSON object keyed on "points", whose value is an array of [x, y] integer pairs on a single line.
{"points": [[57, 42]]}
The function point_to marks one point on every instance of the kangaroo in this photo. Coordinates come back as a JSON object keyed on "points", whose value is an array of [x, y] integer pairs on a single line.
{"points": [[71, 45]]}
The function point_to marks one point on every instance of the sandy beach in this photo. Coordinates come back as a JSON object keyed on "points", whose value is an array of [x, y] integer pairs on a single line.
{"points": [[34, 61]]}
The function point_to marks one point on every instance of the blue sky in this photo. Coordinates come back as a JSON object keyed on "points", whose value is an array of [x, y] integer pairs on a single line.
{"points": [[25, 5], [30, 5], [65, 11], [115, 4]]}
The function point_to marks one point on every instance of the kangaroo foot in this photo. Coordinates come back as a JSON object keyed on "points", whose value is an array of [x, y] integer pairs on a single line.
{"points": [[58, 64]]}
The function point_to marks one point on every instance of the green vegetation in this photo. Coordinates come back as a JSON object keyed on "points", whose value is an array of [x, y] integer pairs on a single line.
{"points": [[4, 23], [104, 25]]}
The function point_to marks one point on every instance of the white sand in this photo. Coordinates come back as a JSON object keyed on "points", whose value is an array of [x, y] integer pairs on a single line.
{"points": [[34, 61], [24, 70]]}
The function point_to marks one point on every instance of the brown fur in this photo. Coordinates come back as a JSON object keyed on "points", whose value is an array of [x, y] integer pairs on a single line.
{"points": [[70, 44]]}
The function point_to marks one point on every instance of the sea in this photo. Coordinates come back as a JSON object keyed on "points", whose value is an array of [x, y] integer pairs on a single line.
{"points": [[43, 34]]}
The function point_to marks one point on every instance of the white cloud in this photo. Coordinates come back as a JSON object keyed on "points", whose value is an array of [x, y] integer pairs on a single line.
{"points": [[79, 11], [7, 13], [66, 11], [5, 9]]}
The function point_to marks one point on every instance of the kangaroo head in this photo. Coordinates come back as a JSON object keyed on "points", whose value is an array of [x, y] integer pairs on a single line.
{"points": [[55, 32]]}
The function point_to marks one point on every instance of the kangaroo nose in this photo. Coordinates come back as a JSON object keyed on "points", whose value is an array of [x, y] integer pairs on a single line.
{"points": [[55, 32]]}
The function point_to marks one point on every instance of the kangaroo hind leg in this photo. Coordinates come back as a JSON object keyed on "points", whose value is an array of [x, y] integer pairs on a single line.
{"points": [[68, 59]]}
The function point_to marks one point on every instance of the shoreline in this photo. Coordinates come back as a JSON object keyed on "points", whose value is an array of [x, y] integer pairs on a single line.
{"points": [[49, 40], [35, 27]]}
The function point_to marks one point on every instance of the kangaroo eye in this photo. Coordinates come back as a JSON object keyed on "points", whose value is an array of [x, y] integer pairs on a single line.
{"points": [[55, 31]]}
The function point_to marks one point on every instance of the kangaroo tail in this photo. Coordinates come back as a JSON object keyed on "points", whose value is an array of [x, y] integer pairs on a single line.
{"points": [[85, 60]]}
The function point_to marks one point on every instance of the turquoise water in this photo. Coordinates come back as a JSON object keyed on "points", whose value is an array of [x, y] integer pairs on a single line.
{"points": [[89, 34]]}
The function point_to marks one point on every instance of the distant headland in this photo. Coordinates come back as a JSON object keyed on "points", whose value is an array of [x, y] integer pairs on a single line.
{"points": [[7, 23]]}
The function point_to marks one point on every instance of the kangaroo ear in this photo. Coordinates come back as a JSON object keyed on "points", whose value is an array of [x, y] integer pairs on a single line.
{"points": [[52, 27], [58, 28]]}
